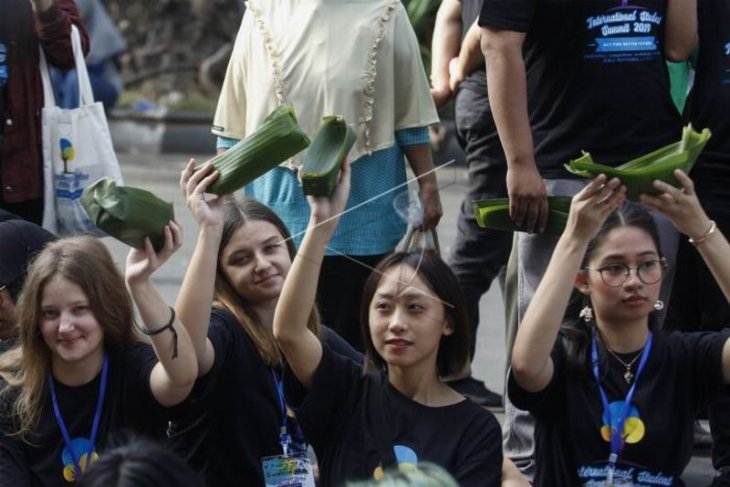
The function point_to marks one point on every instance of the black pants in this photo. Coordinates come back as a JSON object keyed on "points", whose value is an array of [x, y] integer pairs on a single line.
{"points": [[478, 254], [698, 304], [339, 293]]}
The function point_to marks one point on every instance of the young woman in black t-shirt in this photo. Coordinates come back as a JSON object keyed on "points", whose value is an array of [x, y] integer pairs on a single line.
{"points": [[399, 411], [79, 372], [242, 256], [614, 398]]}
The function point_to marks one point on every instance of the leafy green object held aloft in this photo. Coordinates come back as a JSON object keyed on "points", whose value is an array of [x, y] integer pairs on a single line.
{"points": [[278, 139], [322, 162], [494, 214], [126, 213], [639, 174]]}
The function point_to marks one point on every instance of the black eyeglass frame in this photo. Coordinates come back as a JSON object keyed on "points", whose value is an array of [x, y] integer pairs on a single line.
{"points": [[627, 272]]}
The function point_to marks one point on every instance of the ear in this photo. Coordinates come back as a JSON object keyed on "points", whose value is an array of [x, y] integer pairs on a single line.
{"points": [[581, 283], [448, 328]]}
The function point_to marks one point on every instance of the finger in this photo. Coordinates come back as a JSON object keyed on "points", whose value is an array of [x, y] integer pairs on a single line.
{"points": [[150, 252], [652, 201], [543, 215], [205, 183], [198, 175], [688, 186], [176, 234], [186, 173], [596, 184], [608, 191], [517, 211], [617, 198], [532, 216]]}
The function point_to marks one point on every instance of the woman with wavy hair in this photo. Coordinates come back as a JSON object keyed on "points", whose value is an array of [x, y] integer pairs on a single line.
{"points": [[79, 371]]}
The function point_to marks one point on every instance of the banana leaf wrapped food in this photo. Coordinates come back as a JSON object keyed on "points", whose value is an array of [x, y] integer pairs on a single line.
{"points": [[126, 213], [279, 138], [331, 143], [639, 174], [494, 213]]}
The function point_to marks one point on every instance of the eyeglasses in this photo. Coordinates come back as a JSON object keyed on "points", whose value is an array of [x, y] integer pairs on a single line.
{"points": [[2, 288], [615, 275]]}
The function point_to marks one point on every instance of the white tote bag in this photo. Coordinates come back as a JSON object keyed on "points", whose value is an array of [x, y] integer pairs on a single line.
{"points": [[77, 150]]}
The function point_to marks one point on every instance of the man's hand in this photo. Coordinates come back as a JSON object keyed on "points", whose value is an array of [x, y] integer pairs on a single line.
{"points": [[441, 96], [528, 206]]}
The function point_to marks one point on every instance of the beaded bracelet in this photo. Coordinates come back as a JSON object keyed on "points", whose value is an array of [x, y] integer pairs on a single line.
{"points": [[168, 326], [704, 236]]}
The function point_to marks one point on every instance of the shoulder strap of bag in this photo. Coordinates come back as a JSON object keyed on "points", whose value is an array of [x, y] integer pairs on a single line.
{"points": [[383, 432], [86, 95]]}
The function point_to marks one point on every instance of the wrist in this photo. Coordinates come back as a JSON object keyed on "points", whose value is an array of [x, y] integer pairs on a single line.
{"points": [[699, 239]]}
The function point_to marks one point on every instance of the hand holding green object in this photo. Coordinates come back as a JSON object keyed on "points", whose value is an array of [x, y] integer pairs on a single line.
{"points": [[639, 174], [494, 214], [127, 214], [322, 162]]}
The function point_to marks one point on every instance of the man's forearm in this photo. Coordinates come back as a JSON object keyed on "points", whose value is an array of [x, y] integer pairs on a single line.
{"points": [[446, 42], [470, 56], [680, 30], [507, 87]]}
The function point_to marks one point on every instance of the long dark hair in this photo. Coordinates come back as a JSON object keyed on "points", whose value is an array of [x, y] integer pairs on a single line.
{"points": [[453, 349], [576, 332]]}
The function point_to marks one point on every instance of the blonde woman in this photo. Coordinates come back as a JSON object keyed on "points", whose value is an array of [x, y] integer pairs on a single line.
{"points": [[79, 371]]}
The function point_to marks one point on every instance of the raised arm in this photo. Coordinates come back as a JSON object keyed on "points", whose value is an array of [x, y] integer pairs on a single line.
{"points": [[195, 299], [173, 376], [507, 86], [680, 35], [532, 366], [301, 347], [683, 208], [444, 47]]}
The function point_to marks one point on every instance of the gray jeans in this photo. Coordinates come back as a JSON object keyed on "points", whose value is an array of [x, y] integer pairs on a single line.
{"points": [[533, 252]]}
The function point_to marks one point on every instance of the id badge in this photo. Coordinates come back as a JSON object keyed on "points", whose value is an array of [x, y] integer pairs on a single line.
{"points": [[294, 470]]}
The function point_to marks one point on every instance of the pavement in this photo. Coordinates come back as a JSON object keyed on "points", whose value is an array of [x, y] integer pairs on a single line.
{"points": [[159, 172]]}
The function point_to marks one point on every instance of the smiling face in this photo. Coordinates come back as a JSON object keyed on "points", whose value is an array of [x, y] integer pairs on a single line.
{"points": [[256, 261], [68, 325], [632, 301], [407, 320]]}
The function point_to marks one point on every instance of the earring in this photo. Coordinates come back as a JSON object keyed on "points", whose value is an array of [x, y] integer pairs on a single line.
{"points": [[659, 305], [586, 313]]}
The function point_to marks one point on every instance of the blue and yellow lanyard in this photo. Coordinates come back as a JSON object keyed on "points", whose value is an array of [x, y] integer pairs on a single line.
{"points": [[617, 439], [94, 425]]}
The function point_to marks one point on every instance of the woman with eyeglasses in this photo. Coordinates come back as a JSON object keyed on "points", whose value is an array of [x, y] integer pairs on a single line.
{"points": [[615, 398]]}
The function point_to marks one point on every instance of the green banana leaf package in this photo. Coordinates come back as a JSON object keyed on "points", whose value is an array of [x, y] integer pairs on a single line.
{"points": [[639, 174], [126, 213], [494, 213], [321, 166], [279, 138]]}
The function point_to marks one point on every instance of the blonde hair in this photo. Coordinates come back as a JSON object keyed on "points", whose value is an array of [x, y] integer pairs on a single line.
{"points": [[236, 214], [87, 262]]}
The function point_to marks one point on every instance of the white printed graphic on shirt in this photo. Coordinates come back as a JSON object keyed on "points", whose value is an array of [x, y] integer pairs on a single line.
{"points": [[624, 34]]}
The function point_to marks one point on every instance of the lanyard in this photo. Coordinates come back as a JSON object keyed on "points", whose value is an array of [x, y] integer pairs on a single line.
{"points": [[284, 438], [94, 425], [617, 439]]}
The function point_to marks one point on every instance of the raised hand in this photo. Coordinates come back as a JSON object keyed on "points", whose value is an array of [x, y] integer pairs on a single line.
{"points": [[141, 264], [193, 185], [680, 205], [592, 205], [326, 210]]}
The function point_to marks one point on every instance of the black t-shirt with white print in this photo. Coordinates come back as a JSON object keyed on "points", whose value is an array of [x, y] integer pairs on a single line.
{"points": [[338, 415], [596, 77], [129, 406], [683, 372]]}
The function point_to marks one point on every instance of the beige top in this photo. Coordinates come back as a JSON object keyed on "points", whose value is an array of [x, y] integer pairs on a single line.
{"points": [[355, 58]]}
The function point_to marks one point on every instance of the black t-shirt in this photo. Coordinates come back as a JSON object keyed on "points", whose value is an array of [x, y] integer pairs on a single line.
{"points": [[596, 77], [340, 417], [683, 373], [234, 413], [128, 406], [710, 96]]}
